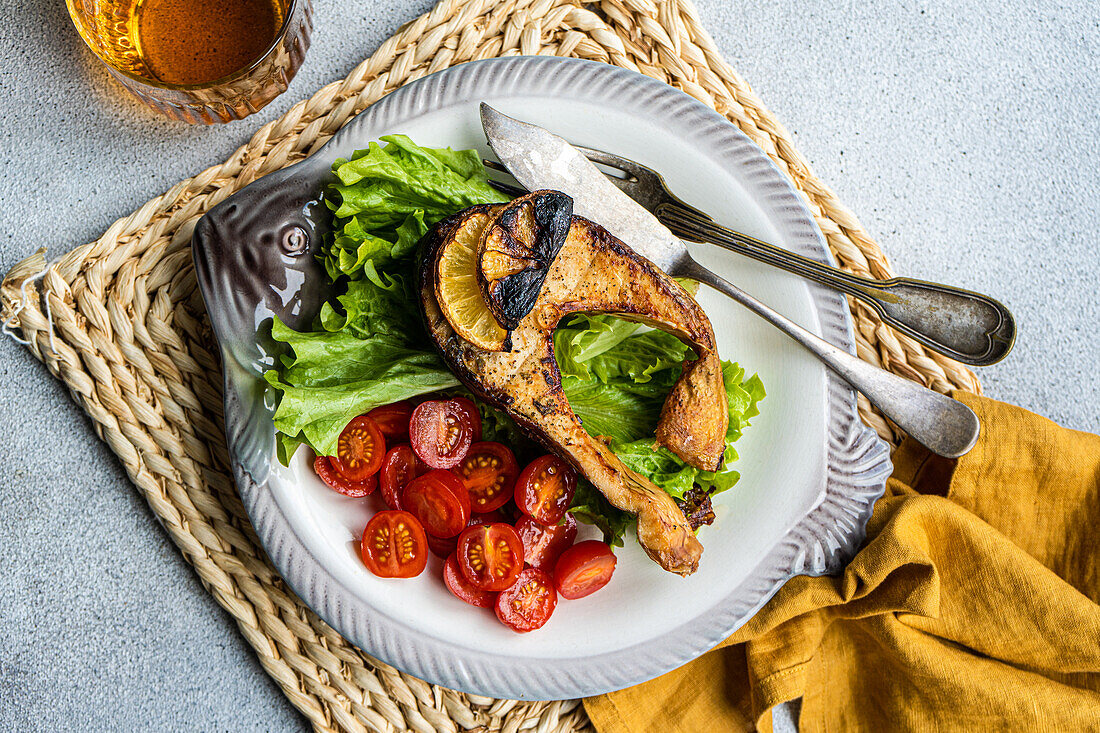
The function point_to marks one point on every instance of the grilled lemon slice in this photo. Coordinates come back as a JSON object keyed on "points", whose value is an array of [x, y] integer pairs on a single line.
{"points": [[457, 288], [517, 249]]}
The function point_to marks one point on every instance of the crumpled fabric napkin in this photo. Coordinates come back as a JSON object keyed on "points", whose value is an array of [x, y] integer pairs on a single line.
{"points": [[972, 605]]}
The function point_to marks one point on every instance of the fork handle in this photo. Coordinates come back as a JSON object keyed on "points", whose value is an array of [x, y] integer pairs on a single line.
{"points": [[969, 327], [945, 426]]}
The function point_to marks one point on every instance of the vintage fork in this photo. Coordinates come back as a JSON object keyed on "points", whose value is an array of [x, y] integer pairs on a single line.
{"points": [[966, 326]]}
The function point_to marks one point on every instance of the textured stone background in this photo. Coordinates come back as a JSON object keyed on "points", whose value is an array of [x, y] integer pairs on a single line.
{"points": [[965, 135]]}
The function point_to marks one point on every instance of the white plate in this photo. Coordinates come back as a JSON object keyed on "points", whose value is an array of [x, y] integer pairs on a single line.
{"points": [[810, 469]]}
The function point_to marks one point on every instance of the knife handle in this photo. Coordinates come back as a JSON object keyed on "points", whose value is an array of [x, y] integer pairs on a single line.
{"points": [[945, 426], [969, 327]]}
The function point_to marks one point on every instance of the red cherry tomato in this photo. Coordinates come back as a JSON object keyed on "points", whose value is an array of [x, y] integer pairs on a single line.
{"points": [[359, 449], [456, 582], [583, 569], [399, 467], [394, 545], [443, 547], [490, 556], [475, 416], [543, 544], [527, 605], [393, 421], [441, 432], [489, 471], [355, 489], [545, 489], [440, 501]]}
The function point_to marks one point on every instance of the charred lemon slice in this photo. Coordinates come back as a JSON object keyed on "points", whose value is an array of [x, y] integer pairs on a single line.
{"points": [[457, 288], [517, 249]]}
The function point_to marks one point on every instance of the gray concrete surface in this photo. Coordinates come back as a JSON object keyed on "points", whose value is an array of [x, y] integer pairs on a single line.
{"points": [[966, 136]]}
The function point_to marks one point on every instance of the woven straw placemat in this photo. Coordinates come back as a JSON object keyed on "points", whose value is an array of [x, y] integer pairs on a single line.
{"points": [[121, 322]]}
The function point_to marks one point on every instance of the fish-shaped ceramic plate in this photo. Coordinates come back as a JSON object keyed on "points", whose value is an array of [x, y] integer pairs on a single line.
{"points": [[810, 469]]}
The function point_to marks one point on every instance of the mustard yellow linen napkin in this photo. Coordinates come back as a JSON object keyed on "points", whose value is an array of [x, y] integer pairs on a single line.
{"points": [[972, 605]]}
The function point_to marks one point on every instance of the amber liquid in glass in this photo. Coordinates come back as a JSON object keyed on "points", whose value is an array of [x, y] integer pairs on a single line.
{"points": [[199, 61], [192, 42]]}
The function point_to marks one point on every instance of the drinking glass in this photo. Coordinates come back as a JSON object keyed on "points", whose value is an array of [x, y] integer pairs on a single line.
{"points": [[109, 27]]}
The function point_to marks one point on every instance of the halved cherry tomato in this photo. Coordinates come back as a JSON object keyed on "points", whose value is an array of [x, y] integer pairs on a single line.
{"points": [[440, 501], [545, 489], [393, 420], [359, 449], [543, 544], [527, 605], [443, 547], [394, 545], [489, 471], [355, 489], [583, 569], [456, 582], [475, 416], [441, 432], [399, 467], [490, 556]]}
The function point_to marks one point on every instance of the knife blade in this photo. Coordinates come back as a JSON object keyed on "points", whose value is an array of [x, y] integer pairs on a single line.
{"points": [[540, 159]]}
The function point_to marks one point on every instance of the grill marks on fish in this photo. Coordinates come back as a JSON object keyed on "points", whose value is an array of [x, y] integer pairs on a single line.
{"points": [[595, 272]]}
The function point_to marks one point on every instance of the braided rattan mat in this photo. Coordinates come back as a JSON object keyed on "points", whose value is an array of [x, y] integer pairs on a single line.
{"points": [[129, 335]]}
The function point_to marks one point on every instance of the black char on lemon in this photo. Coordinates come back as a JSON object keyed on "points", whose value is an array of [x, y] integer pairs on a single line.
{"points": [[588, 271]]}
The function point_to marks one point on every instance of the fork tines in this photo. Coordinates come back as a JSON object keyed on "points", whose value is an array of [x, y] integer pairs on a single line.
{"points": [[508, 189]]}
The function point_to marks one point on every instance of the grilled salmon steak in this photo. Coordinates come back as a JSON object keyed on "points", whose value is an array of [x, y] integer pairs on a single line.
{"points": [[577, 267]]}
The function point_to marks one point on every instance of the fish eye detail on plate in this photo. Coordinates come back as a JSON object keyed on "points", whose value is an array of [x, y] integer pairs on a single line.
{"points": [[648, 416]]}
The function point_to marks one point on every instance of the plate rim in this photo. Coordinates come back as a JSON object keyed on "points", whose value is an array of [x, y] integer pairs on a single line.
{"points": [[821, 542]]}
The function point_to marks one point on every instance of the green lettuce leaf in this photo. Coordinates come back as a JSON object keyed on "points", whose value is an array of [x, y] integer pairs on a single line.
{"points": [[614, 350], [382, 186], [617, 375], [368, 347], [621, 410], [334, 376], [387, 197]]}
